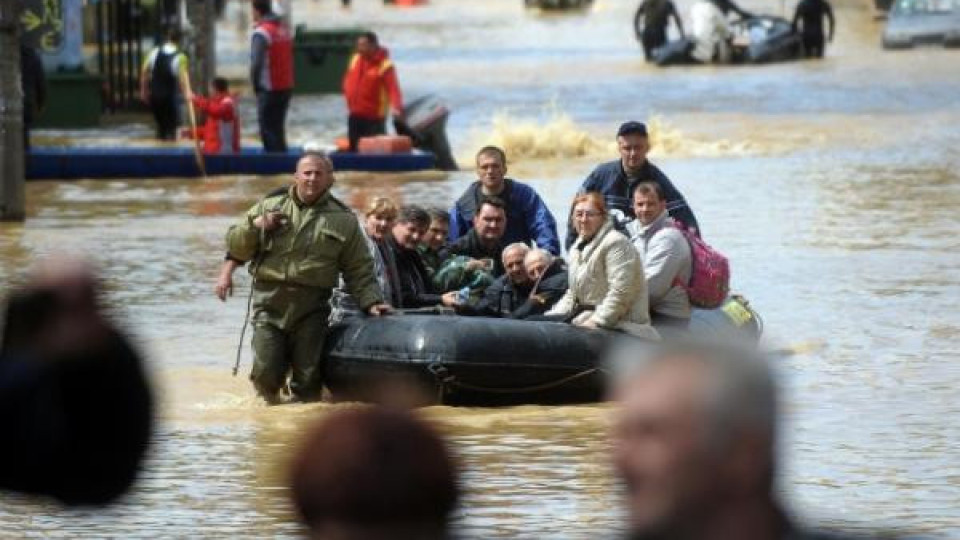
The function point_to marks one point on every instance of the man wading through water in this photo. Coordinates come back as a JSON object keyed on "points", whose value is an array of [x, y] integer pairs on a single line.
{"points": [[298, 243]]}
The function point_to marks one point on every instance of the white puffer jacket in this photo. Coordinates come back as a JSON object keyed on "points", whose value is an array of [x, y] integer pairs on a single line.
{"points": [[607, 274]]}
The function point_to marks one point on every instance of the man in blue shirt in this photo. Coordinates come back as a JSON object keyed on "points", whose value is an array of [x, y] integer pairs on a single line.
{"points": [[617, 179], [528, 218]]}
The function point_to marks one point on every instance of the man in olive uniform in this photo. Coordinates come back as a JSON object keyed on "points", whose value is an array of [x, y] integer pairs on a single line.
{"points": [[298, 243]]}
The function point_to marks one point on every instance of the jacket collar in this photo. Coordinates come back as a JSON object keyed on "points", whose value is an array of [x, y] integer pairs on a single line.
{"points": [[655, 225], [588, 248]]}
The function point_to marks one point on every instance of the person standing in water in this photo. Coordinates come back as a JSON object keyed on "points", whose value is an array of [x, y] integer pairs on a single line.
{"points": [[650, 24], [808, 21]]}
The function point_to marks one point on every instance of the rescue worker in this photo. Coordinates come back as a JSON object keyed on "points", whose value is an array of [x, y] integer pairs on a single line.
{"points": [[650, 24], [370, 87], [528, 218], [298, 243], [808, 21], [162, 76], [617, 179], [271, 75], [221, 131]]}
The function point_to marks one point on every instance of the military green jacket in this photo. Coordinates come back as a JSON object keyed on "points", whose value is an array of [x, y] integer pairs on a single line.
{"points": [[317, 244]]}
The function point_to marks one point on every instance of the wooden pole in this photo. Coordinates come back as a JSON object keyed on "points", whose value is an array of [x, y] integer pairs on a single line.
{"points": [[12, 200]]}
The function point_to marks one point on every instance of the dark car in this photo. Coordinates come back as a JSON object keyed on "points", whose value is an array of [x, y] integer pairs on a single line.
{"points": [[923, 22]]}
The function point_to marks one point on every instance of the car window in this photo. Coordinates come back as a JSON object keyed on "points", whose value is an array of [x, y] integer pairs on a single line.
{"points": [[927, 6]]}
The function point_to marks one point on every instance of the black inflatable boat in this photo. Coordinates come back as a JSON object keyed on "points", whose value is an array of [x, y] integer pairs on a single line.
{"points": [[490, 362]]}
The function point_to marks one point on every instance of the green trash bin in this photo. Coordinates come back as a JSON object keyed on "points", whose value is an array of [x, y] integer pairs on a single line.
{"points": [[74, 100], [320, 58]]}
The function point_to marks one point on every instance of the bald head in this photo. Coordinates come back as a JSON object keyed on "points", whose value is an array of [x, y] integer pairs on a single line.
{"points": [[694, 431], [536, 262]]}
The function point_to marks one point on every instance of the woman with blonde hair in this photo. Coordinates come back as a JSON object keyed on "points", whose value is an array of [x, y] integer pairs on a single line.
{"points": [[378, 218], [607, 284]]}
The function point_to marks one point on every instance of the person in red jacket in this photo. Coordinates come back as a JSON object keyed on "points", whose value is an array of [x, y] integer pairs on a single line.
{"points": [[221, 131], [370, 87]]}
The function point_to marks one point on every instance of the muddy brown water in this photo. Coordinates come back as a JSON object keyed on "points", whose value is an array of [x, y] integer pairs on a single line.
{"points": [[833, 186]]}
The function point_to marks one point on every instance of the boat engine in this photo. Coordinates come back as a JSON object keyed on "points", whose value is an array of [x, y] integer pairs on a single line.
{"points": [[425, 123]]}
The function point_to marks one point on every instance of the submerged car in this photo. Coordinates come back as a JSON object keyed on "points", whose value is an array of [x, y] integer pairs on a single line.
{"points": [[923, 22]]}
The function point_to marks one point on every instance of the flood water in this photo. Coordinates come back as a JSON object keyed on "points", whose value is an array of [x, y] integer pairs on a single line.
{"points": [[833, 186]]}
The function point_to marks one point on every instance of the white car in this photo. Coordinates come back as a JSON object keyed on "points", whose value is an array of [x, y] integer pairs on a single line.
{"points": [[923, 22]]}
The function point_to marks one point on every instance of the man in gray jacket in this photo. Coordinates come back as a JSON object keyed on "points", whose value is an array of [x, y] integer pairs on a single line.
{"points": [[666, 257]]}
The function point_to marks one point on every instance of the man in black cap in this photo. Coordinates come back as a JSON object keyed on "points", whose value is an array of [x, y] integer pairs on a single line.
{"points": [[617, 179]]}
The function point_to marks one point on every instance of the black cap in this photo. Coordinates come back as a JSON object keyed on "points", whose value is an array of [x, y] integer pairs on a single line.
{"points": [[632, 128]]}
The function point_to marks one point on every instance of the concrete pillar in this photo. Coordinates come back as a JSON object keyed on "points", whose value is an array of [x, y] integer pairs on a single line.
{"points": [[11, 115], [201, 15]]}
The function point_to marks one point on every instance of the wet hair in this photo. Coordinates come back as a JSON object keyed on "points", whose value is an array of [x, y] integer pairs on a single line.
{"points": [[371, 37], [495, 202], [413, 214], [439, 214], [220, 84], [379, 471], [649, 187], [263, 7], [595, 198], [381, 206], [739, 394], [491, 150]]}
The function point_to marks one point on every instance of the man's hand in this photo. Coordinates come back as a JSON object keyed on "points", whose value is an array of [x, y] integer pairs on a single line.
{"points": [[270, 221], [449, 299], [377, 310], [224, 287], [588, 324]]}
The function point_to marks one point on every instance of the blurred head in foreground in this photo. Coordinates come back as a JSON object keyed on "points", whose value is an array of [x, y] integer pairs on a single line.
{"points": [[75, 402], [374, 473], [694, 437]]}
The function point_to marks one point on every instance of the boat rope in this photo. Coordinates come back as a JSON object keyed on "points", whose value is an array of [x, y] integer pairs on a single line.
{"points": [[445, 380]]}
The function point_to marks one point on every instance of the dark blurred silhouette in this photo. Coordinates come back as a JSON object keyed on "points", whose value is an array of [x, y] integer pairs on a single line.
{"points": [[374, 473], [694, 443], [75, 403]]}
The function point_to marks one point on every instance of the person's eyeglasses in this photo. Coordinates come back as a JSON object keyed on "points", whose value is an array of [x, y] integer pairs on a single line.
{"points": [[586, 214]]}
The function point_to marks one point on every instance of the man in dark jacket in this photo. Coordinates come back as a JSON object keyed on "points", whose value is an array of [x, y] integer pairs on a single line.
{"points": [[34, 86], [650, 24], [529, 219], [484, 242], [549, 277], [406, 271], [616, 180], [508, 292]]}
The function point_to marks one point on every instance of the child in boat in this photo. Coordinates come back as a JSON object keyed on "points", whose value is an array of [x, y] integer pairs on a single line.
{"points": [[221, 131]]}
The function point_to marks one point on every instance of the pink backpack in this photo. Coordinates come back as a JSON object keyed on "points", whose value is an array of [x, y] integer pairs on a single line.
{"points": [[710, 273]]}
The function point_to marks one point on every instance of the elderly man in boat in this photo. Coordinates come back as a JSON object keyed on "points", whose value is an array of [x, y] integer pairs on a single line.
{"points": [[298, 242]]}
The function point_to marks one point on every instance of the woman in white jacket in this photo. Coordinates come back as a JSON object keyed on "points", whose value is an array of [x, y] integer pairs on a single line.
{"points": [[607, 284]]}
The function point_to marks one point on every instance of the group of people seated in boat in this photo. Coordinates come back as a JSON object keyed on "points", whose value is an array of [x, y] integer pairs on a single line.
{"points": [[496, 253]]}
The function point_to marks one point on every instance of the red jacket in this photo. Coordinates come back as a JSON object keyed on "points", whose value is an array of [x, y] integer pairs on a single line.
{"points": [[221, 132], [276, 69], [370, 86]]}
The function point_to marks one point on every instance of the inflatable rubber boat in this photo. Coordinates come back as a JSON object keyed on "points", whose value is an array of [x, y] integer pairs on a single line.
{"points": [[456, 360], [756, 40]]}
